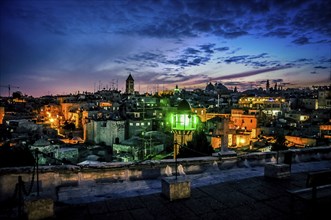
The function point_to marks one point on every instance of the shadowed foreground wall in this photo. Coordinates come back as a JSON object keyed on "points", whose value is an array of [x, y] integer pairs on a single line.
{"points": [[51, 178]]}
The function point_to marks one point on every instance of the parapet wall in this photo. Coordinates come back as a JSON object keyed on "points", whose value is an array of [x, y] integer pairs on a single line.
{"points": [[52, 178]]}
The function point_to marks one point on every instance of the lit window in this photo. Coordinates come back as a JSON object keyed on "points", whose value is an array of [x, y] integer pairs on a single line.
{"points": [[137, 124], [131, 124]]}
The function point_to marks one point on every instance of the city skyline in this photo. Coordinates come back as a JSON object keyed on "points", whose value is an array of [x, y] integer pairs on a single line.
{"points": [[56, 47]]}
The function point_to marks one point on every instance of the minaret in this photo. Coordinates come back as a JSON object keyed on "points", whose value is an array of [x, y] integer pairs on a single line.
{"points": [[129, 88]]}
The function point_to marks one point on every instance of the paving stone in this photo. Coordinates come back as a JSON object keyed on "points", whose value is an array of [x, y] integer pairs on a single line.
{"points": [[98, 207], [72, 213], [142, 214], [116, 205], [181, 211], [203, 205], [122, 215], [157, 208], [197, 193]]}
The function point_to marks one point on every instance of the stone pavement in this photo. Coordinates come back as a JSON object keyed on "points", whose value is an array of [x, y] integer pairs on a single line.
{"points": [[253, 197]]}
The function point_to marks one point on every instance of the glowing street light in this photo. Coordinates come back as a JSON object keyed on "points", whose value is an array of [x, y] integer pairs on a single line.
{"points": [[183, 123]]}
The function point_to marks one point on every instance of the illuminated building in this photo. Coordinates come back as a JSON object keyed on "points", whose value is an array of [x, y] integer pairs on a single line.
{"points": [[2, 114], [325, 130], [242, 121], [271, 106]]}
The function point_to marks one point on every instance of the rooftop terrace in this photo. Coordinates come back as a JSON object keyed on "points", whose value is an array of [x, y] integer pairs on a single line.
{"points": [[232, 188]]}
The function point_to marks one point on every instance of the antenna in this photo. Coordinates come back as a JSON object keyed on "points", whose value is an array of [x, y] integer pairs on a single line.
{"points": [[9, 87]]}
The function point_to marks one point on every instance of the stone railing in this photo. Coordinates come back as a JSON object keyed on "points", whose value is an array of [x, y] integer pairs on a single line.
{"points": [[52, 178]]}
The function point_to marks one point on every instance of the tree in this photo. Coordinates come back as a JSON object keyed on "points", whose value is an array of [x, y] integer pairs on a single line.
{"points": [[69, 126], [15, 156], [280, 144], [198, 147]]}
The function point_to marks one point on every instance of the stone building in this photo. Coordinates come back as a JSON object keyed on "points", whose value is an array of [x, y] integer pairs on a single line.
{"points": [[324, 98], [107, 131]]}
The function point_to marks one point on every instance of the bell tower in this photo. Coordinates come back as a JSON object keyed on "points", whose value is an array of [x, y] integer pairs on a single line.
{"points": [[129, 88]]}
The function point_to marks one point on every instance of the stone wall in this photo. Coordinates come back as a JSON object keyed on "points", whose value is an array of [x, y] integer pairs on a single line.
{"points": [[52, 178]]}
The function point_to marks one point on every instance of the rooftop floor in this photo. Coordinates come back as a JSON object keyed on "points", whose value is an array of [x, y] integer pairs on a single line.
{"points": [[238, 193], [227, 194]]}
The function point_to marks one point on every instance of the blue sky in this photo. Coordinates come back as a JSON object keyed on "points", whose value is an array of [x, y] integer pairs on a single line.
{"points": [[59, 47]]}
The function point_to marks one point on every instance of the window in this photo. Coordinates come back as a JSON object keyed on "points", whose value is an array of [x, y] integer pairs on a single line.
{"points": [[131, 124], [137, 124]]}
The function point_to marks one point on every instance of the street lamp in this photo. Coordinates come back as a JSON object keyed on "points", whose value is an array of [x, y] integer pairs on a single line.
{"points": [[183, 124]]}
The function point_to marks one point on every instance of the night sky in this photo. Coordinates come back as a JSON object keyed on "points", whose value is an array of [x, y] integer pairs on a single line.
{"points": [[60, 47]]}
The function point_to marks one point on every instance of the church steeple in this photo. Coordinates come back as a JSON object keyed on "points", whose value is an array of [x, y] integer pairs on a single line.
{"points": [[129, 88]]}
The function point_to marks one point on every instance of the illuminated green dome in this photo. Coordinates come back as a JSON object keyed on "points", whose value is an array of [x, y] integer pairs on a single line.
{"points": [[184, 106]]}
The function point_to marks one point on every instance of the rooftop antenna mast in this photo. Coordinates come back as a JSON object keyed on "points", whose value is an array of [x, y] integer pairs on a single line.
{"points": [[9, 88]]}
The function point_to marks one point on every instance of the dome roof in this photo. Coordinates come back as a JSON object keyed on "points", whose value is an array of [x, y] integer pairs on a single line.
{"points": [[41, 143], [210, 87], [184, 106], [221, 87]]}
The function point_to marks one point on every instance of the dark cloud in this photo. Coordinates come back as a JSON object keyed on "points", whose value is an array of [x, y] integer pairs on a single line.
{"points": [[230, 34], [234, 51], [222, 49], [320, 67], [236, 59], [162, 78], [277, 80], [243, 74], [304, 60], [208, 48], [276, 22], [175, 19], [279, 32], [188, 57], [325, 60], [190, 51], [45, 40], [252, 73], [301, 41], [251, 60], [315, 17]]}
